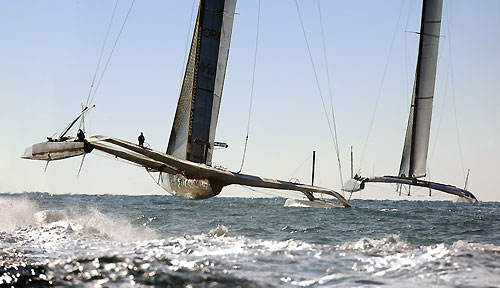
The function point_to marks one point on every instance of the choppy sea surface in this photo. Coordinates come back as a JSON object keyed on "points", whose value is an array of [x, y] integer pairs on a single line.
{"points": [[143, 241]]}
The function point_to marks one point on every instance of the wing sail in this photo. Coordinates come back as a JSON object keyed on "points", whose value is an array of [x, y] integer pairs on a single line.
{"points": [[414, 159], [193, 131]]}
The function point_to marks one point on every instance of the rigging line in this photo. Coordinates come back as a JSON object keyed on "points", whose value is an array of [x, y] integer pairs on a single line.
{"points": [[102, 52], [252, 192], [299, 167], [275, 195], [336, 142], [251, 90], [407, 72], [453, 89], [187, 43], [315, 74], [443, 105], [154, 180], [82, 121], [380, 88], [117, 159], [111, 53], [407, 60]]}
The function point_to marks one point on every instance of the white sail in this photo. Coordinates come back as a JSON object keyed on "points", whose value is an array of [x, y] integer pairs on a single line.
{"points": [[414, 160], [177, 144]]}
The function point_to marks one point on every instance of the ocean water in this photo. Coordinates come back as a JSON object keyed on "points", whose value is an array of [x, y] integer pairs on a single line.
{"points": [[144, 241]]}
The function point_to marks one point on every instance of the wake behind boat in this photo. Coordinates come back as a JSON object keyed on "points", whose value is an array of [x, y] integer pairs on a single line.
{"points": [[186, 168]]}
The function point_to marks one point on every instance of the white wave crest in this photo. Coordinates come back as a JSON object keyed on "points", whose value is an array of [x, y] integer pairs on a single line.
{"points": [[16, 213], [95, 223], [479, 247], [219, 231], [388, 245], [22, 215], [49, 216]]}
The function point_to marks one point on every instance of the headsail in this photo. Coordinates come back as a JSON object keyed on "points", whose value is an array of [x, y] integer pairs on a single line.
{"points": [[193, 131], [414, 160]]}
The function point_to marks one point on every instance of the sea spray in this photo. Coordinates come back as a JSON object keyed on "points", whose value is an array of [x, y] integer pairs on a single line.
{"points": [[17, 212], [219, 231]]}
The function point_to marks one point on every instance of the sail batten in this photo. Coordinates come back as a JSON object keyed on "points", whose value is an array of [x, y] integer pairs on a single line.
{"points": [[415, 150]]}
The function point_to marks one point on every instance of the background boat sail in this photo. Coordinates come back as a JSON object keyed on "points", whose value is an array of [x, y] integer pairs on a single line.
{"points": [[414, 159], [185, 170]]}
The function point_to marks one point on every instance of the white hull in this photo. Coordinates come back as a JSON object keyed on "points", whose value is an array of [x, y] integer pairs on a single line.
{"points": [[55, 150], [317, 203], [465, 200]]}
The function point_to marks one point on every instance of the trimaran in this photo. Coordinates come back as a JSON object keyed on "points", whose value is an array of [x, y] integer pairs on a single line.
{"points": [[414, 159], [185, 169]]}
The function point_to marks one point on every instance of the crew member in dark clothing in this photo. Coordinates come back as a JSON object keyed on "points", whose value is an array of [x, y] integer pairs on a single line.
{"points": [[80, 135], [141, 139]]}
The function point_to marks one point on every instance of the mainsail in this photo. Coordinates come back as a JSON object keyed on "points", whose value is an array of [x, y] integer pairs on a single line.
{"points": [[193, 130], [414, 160]]}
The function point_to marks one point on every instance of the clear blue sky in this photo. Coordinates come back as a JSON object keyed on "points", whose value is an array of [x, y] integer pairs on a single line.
{"points": [[50, 51]]}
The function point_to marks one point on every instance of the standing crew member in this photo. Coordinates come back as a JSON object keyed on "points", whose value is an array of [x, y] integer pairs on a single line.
{"points": [[141, 139]]}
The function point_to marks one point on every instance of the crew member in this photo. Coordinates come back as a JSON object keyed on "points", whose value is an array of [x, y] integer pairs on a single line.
{"points": [[80, 135], [141, 139]]}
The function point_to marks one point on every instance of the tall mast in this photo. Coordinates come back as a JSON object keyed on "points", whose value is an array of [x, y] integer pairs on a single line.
{"points": [[352, 165], [313, 166]]}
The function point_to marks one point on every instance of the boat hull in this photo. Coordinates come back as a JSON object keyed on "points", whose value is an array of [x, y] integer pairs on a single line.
{"points": [[317, 203], [353, 185], [359, 182], [56, 150], [192, 189]]}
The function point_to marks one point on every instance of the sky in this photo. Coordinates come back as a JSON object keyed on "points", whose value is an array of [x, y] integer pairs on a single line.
{"points": [[50, 51]]}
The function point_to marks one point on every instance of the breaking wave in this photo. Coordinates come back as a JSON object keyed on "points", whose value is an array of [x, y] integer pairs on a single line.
{"points": [[388, 245], [24, 216], [16, 212]]}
